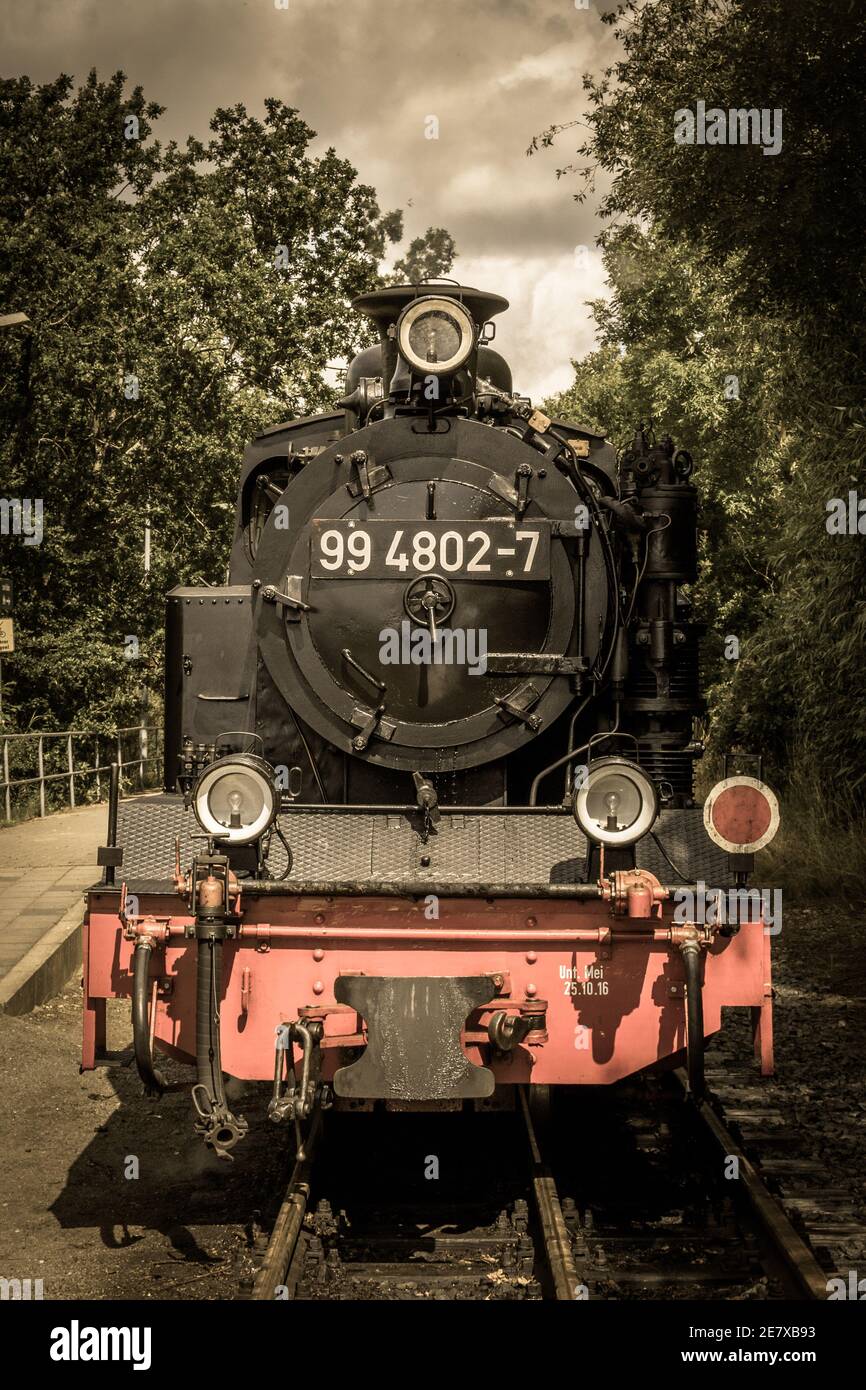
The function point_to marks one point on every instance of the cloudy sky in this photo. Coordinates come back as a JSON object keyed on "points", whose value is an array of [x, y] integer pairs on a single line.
{"points": [[367, 75]]}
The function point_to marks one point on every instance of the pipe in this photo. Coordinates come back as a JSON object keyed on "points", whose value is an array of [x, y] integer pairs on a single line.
{"points": [[108, 875], [391, 888], [154, 1082], [220, 1129], [566, 791], [404, 809], [501, 936], [580, 621], [208, 1057], [572, 753], [311, 759], [426, 934], [691, 953]]}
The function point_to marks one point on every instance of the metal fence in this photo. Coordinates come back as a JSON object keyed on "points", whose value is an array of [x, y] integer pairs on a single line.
{"points": [[53, 763]]}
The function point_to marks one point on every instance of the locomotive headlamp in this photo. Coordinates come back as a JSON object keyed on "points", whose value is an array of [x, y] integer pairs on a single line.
{"points": [[617, 802], [235, 798], [434, 335]]}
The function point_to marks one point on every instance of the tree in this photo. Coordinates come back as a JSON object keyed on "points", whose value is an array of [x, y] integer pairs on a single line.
{"points": [[786, 217], [180, 299], [725, 262], [67, 222], [428, 258]]}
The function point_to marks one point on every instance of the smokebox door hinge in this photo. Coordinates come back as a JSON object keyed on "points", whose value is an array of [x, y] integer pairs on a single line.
{"points": [[367, 477], [518, 704], [290, 600], [370, 722]]}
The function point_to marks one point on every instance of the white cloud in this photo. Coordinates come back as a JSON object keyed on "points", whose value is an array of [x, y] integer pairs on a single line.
{"points": [[548, 322], [364, 75], [556, 68]]}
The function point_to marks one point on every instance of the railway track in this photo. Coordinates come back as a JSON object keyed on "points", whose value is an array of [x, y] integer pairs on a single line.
{"points": [[558, 1241], [633, 1193], [799, 1265], [287, 1227]]}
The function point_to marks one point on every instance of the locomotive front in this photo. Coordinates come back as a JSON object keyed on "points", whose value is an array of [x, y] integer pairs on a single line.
{"points": [[428, 761]]}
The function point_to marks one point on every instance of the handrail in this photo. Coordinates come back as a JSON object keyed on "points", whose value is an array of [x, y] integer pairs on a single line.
{"points": [[71, 771], [80, 733]]}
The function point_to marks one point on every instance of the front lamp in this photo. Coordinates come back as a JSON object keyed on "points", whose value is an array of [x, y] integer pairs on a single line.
{"points": [[616, 804], [435, 335], [235, 798]]}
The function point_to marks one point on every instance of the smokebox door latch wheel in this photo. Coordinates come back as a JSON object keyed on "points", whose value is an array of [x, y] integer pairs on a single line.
{"points": [[413, 1047], [429, 600]]}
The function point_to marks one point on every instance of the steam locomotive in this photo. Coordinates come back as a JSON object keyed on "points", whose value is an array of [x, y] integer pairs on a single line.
{"points": [[428, 829]]}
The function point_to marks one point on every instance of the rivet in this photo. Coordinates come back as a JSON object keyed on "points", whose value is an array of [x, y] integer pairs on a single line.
{"points": [[318, 954], [318, 987], [531, 922], [531, 957], [531, 991], [319, 918]]}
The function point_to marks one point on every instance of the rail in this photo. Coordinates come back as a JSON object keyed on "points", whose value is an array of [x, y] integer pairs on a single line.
{"points": [[61, 750], [554, 1232], [808, 1279], [280, 1251]]}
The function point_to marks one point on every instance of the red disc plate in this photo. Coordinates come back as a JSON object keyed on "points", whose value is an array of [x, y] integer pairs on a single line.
{"points": [[741, 815]]}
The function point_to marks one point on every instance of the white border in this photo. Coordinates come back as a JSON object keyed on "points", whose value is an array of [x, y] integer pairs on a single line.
{"points": [[646, 816], [449, 306], [244, 834], [752, 846]]}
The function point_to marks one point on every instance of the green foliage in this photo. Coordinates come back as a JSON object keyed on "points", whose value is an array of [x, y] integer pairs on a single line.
{"points": [[428, 257], [788, 217], [180, 299], [817, 852], [724, 263]]}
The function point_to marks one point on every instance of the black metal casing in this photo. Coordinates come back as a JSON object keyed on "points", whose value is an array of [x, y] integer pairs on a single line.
{"points": [[209, 668], [267, 655]]}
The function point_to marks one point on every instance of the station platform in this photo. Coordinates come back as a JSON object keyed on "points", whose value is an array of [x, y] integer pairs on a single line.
{"points": [[45, 866]]}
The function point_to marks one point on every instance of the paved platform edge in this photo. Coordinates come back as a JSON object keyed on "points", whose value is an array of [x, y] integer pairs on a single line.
{"points": [[46, 967]]}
